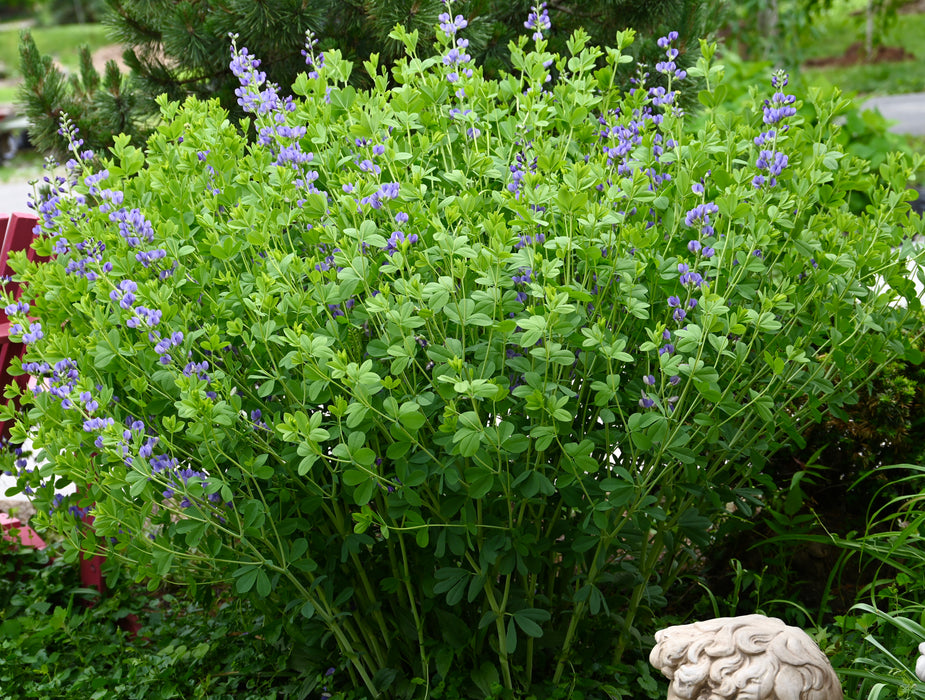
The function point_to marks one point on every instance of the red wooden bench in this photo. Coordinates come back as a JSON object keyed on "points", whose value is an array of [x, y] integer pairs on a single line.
{"points": [[16, 233]]}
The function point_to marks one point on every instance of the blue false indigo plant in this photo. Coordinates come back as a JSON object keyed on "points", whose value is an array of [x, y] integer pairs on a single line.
{"points": [[460, 377]]}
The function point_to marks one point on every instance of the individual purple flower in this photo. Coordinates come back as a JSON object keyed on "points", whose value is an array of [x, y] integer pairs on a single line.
{"points": [[765, 137], [669, 67], [151, 317], [96, 424], [91, 181], [525, 277], [779, 107], [35, 333], [450, 25], [133, 226], [147, 257], [256, 420], [162, 346], [198, 369], [399, 239], [147, 449], [674, 302], [315, 62], [645, 401], [457, 55], [699, 217], [774, 163], [649, 380], [538, 20], [661, 97], [693, 279], [124, 294], [90, 404], [20, 307], [389, 190]]}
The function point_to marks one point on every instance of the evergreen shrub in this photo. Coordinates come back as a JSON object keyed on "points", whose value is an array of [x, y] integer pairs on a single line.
{"points": [[454, 379]]}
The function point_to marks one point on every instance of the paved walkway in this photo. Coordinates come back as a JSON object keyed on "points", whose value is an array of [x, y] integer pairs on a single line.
{"points": [[908, 111], [13, 197]]}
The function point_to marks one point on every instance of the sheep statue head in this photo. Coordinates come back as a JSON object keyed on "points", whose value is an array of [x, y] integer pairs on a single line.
{"points": [[751, 657]]}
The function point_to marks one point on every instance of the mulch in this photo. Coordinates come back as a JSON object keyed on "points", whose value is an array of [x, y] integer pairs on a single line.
{"points": [[855, 55]]}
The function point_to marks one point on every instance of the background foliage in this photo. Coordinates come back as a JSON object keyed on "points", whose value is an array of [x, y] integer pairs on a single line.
{"points": [[165, 56]]}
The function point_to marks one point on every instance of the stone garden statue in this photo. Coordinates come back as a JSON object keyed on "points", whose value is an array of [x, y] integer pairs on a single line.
{"points": [[752, 657]]}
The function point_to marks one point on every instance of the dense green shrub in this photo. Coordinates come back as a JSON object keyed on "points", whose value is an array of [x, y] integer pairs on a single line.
{"points": [[454, 379]]}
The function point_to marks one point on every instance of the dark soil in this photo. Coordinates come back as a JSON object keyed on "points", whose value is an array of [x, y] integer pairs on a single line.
{"points": [[855, 55]]}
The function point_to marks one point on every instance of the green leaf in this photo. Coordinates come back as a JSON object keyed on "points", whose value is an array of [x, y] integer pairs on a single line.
{"points": [[486, 676], [354, 477], [510, 639], [451, 581], [468, 441], [247, 577], [412, 419], [480, 481], [263, 584], [106, 350], [364, 492], [529, 620]]}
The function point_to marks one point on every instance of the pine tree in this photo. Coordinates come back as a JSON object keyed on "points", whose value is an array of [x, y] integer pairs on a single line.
{"points": [[181, 48]]}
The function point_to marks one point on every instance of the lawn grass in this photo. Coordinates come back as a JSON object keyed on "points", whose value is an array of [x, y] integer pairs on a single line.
{"points": [[27, 166], [61, 42], [842, 26]]}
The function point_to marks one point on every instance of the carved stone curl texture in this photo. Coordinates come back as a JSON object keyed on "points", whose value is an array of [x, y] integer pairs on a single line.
{"points": [[752, 657]]}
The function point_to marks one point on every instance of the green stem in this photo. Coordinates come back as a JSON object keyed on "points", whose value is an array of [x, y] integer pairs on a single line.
{"points": [[649, 560], [418, 623], [577, 614]]}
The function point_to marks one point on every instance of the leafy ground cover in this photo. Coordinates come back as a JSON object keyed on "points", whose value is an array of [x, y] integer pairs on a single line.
{"points": [[60, 640]]}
